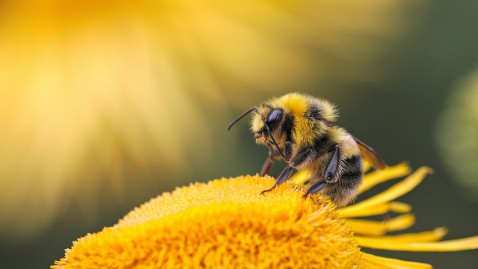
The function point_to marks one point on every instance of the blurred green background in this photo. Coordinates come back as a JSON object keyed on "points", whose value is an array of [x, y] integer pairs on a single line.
{"points": [[106, 104]]}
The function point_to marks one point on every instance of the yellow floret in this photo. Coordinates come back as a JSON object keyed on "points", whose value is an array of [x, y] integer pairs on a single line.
{"points": [[223, 223]]}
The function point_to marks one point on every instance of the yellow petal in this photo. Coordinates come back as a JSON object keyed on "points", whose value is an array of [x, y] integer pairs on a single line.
{"points": [[300, 177], [371, 265], [397, 207], [395, 191], [370, 227], [443, 246], [366, 166], [379, 176], [372, 261], [429, 236]]}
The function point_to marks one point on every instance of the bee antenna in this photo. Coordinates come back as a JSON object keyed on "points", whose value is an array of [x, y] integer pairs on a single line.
{"points": [[274, 142], [254, 108]]}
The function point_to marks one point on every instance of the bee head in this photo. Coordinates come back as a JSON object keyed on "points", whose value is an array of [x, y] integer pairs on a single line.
{"points": [[265, 121]]}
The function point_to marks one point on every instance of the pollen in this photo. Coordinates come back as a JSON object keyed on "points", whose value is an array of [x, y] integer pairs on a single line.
{"points": [[223, 223]]}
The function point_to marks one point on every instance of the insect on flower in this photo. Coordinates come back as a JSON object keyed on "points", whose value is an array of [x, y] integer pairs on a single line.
{"points": [[299, 128]]}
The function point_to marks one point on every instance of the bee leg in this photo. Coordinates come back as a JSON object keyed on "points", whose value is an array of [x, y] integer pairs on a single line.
{"points": [[287, 150], [332, 166], [329, 175], [286, 173], [274, 154], [266, 167], [315, 188]]}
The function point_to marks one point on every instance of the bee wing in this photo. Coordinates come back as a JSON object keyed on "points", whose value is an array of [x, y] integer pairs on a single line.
{"points": [[370, 155]]}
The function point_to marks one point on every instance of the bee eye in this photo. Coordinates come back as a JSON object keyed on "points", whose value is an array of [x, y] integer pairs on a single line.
{"points": [[273, 118]]}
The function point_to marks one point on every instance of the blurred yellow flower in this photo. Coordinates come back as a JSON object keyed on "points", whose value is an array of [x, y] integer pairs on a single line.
{"points": [[458, 133], [226, 223], [91, 92]]}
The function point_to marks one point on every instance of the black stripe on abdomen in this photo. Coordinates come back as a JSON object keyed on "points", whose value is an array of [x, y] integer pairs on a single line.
{"points": [[323, 144], [353, 169]]}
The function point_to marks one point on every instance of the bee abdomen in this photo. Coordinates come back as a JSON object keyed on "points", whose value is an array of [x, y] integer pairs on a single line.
{"points": [[352, 173], [346, 187], [324, 144]]}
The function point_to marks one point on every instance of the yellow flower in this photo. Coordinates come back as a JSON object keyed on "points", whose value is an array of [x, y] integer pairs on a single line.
{"points": [[226, 223]]}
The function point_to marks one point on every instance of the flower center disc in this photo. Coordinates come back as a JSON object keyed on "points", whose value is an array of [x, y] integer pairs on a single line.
{"points": [[223, 223]]}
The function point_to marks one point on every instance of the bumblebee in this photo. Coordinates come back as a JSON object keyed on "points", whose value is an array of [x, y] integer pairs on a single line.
{"points": [[300, 129]]}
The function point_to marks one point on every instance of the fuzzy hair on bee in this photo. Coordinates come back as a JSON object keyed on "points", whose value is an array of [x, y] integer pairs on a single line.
{"points": [[300, 129]]}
